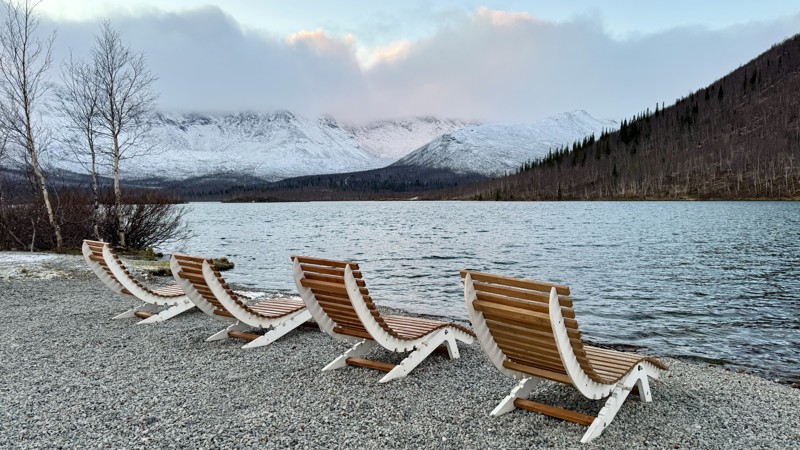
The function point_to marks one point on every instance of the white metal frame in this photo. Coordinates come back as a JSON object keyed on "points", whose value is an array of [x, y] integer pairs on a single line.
{"points": [[616, 392], [420, 348], [242, 319]]}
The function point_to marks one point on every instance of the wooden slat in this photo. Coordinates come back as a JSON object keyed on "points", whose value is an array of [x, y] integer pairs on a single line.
{"points": [[331, 278], [143, 314], [547, 374], [512, 313], [324, 286], [327, 270], [574, 335], [353, 332], [552, 411], [195, 259], [326, 262], [191, 277], [542, 286], [524, 294], [222, 312], [243, 335], [533, 361], [338, 299], [369, 364], [540, 308]]}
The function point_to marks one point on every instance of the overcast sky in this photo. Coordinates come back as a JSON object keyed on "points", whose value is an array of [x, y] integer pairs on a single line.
{"points": [[366, 60]]}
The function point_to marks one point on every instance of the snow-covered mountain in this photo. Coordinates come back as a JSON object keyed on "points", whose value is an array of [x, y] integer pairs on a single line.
{"points": [[272, 146], [394, 139], [498, 148]]}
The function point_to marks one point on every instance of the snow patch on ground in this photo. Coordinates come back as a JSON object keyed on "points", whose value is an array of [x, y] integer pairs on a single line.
{"points": [[40, 266]]}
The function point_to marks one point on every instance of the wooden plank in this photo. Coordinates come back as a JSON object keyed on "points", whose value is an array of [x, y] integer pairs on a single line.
{"points": [[352, 332], [512, 313], [143, 314], [530, 306], [325, 262], [574, 335], [369, 364], [516, 282], [222, 312], [324, 286], [541, 373], [553, 411], [243, 335], [195, 259], [539, 298], [330, 278], [327, 270], [191, 277]]}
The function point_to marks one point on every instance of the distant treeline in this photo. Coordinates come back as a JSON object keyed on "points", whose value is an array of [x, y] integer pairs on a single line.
{"points": [[393, 182], [738, 138]]}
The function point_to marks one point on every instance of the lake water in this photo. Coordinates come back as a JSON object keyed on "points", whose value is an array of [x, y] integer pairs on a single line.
{"points": [[708, 280]]}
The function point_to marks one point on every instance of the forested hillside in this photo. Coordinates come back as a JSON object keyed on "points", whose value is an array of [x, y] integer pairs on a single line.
{"points": [[738, 138]]}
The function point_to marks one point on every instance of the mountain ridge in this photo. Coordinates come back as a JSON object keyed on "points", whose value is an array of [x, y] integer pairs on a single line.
{"points": [[495, 149], [736, 138]]}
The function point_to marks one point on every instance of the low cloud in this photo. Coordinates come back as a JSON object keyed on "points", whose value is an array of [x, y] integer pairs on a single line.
{"points": [[490, 65]]}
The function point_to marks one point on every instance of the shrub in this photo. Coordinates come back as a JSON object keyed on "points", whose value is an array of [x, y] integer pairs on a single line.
{"points": [[150, 218]]}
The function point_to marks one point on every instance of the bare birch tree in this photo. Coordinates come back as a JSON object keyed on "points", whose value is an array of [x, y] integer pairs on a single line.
{"points": [[24, 61], [78, 99], [126, 103]]}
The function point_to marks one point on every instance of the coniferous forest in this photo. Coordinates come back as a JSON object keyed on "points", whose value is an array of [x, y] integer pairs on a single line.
{"points": [[738, 138]]}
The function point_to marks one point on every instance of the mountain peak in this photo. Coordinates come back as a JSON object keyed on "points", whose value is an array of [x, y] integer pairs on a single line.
{"points": [[498, 148]]}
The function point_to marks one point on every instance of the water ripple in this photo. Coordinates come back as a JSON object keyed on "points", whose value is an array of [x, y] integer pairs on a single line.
{"points": [[709, 280]]}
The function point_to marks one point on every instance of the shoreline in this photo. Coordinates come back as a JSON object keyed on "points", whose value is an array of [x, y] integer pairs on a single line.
{"points": [[75, 378], [51, 265]]}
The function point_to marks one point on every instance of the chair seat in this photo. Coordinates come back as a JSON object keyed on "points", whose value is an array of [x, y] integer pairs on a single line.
{"points": [[172, 290], [611, 364], [277, 307], [412, 327]]}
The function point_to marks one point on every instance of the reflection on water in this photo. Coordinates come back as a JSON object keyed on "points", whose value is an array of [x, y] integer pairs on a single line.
{"points": [[694, 279]]}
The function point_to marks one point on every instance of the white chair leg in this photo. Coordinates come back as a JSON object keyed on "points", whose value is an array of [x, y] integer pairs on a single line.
{"points": [[147, 307], [521, 390], [238, 326], [452, 347], [613, 404], [280, 330], [182, 306], [643, 384], [417, 356], [355, 351]]}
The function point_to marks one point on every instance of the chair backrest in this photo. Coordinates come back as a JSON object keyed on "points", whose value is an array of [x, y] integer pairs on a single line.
{"points": [[191, 270], [517, 316], [93, 252], [325, 279]]}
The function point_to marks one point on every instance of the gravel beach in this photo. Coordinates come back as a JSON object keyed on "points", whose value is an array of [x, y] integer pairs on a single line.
{"points": [[74, 378]]}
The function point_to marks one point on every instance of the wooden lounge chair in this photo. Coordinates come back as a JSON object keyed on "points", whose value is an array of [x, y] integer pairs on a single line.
{"points": [[528, 330], [338, 299], [107, 266], [207, 289]]}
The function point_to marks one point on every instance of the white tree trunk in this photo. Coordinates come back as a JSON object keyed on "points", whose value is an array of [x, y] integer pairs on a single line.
{"points": [[118, 195]]}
